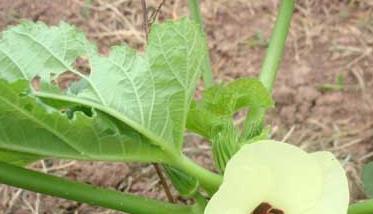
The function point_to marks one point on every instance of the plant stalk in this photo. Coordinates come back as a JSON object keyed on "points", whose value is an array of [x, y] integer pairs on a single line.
{"points": [[365, 207], [195, 13], [276, 46], [72, 190], [208, 180], [274, 54]]}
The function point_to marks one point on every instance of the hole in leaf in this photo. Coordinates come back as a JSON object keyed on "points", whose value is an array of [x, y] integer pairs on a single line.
{"points": [[81, 64], [35, 83], [69, 82], [68, 78], [71, 111]]}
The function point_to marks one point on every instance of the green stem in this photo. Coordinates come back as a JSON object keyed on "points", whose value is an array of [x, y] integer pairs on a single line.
{"points": [[274, 54], [277, 44], [195, 13], [208, 180], [55, 186], [365, 207]]}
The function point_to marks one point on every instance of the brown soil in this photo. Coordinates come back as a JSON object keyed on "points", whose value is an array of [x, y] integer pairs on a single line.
{"points": [[330, 41]]}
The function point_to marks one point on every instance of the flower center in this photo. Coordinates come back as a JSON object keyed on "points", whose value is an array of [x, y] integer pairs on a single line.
{"points": [[266, 208]]}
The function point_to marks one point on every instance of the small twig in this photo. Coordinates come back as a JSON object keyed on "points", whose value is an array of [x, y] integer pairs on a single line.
{"points": [[156, 12], [164, 183], [122, 17], [155, 165], [13, 200], [287, 136], [145, 19]]}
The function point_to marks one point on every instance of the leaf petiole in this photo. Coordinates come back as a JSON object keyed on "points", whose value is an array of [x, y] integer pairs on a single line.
{"points": [[275, 49], [208, 180], [72, 190]]}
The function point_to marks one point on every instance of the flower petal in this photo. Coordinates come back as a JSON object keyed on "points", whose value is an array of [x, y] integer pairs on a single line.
{"points": [[298, 176], [335, 194], [268, 171], [243, 188]]}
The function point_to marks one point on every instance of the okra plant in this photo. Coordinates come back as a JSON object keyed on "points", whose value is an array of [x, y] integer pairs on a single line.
{"points": [[135, 106]]}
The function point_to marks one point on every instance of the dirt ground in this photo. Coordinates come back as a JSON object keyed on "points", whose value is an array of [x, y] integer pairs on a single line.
{"points": [[324, 91]]}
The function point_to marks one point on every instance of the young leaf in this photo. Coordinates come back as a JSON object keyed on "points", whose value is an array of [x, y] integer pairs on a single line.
{"points": [[204, 122], [368, 179], [149, 92], [230, 98], [245, 92], [213, 113], [29, 126]]}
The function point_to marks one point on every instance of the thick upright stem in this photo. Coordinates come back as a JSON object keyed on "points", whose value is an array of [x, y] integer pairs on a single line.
{"points": [[365, 207], [195, 13], [55, 186], [276, 46], [274, 53]]}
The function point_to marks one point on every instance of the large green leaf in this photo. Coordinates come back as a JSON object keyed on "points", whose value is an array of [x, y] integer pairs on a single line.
{"points": [[150, 92], [29, 126]]}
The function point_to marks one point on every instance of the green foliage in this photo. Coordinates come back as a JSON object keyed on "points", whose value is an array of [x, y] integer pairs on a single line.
{"points": [[367, 178], [204, 122], [140, 101], [230, 98], [129, 107], [211, 117]]}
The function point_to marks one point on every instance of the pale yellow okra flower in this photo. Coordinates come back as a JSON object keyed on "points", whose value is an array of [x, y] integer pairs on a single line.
{"points": [[270, 177]]}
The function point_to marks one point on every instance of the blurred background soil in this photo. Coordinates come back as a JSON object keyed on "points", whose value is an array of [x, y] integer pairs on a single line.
{"points": [[324, 91]]}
